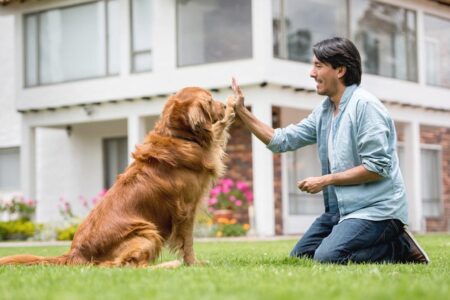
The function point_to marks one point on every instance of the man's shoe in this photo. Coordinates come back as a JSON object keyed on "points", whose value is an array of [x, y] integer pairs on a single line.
{"points": [[416, 253]]}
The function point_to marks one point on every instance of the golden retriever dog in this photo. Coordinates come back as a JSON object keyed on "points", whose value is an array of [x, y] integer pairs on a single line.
{"points": [[154, 201]]}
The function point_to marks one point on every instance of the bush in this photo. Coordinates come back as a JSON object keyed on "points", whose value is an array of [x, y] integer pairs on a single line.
{"points": [[229, 227], [66, 234], [17, 230]]}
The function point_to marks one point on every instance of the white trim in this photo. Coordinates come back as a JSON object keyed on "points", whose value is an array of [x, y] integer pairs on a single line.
{"points": [[262, 164]]}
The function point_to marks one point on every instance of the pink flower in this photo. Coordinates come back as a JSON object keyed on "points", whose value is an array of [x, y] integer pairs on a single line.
{"points": [[238, 203], [226, 189], [215, 191], [212, 201], [84, 202], [241, 185], [232, 198], [94, 200], [249, 196], [102, 193]]}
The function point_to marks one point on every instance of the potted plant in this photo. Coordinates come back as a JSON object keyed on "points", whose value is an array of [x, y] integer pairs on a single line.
{"points": [[229, 197]]}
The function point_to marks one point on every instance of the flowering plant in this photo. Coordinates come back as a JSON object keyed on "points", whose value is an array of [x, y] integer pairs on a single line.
{"points": [[19, 207], [65, 207], [228, 194]]}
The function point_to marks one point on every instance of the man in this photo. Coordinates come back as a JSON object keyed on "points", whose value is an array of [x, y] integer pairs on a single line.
{"points": [[364, 193]]}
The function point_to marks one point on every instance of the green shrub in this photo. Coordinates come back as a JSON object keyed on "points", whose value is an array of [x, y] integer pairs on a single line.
{"points": [[17, 230], [66, 234]]}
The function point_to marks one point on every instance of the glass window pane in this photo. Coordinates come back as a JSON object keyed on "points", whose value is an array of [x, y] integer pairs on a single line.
{"points": [[386, 37], [72, 43], [142, 62], [298, 25], [301, 164], [431, 182], [10, 169], [115, 152], [141, 25], [213, 31], [437, 51], [31, 50], [113, 37]]}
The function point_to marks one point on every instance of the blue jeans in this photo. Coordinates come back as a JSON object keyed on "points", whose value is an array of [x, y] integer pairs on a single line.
{"points": [[355, 240]]}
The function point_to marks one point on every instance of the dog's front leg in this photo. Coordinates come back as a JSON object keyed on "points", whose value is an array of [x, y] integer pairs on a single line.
{"points": [[188, 242], [220, 127]]}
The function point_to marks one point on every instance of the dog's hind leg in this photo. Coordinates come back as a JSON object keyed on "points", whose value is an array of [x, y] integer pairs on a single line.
{"points": [[145, 246]]}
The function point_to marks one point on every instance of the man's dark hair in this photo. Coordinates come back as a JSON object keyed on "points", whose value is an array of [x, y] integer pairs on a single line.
{"points": [[340, 52]]}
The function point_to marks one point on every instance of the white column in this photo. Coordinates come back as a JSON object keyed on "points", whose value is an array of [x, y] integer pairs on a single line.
{"points": [[136, 133], [262, 31], [28, 161], [263, 184], [412, 176]]}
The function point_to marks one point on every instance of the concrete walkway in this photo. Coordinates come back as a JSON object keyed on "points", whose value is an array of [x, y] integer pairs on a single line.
{"points": [[199, 240]]}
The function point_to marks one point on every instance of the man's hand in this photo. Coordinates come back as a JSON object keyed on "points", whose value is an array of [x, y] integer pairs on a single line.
{"points": [[237, 93], [312, 185]]}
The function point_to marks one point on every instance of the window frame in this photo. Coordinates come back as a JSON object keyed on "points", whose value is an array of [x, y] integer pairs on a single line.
{"points": [[349, 30], [19, 186], [134, 53], [439, 149], [424, 37], [105, 167], [38, 14], [177, 35]]}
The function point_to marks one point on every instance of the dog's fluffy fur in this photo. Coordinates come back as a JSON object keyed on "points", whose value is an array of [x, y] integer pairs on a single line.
{"points": [[153, 203]]}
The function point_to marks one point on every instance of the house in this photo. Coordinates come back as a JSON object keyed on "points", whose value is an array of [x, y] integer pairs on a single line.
{"points": [[84, 80]]}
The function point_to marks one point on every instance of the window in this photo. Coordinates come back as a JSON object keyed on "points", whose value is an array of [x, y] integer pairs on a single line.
{"points": [[10, 169], [386, 38], [213, 31], [141, 47], [437, 51], [431, 167], [115, 158], [298, 25], [301, 164], [72, 43], [431, 179]]}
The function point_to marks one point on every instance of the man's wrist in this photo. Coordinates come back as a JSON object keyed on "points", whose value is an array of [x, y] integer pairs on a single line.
{"points": [[328, 179]]}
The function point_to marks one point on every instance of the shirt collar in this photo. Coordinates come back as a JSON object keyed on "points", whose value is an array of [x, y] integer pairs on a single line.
{"points": [[348, 92]]}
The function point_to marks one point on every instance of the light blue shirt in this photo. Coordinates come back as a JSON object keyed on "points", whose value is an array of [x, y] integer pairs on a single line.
{"points": [[363, 134]]}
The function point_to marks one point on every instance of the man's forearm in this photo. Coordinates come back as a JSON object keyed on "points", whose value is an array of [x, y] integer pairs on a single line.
{"points": [[258, 128], [356, 175]]}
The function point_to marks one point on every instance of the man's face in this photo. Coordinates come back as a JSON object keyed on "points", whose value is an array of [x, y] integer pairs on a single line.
{"points": [[326, 77]]}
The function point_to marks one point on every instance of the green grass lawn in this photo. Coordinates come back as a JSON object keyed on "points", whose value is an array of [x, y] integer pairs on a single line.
{"points": [[236, 270]]}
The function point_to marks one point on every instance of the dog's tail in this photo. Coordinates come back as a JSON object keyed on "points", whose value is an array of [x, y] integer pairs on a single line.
{"points": [[33, 260]]}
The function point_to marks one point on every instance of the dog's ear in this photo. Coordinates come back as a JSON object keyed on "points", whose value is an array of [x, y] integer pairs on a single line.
{"points": [[198, 117], [200, 122]]}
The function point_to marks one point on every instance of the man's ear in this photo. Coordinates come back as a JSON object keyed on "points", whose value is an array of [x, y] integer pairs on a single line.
{"points": [[341, 71]]}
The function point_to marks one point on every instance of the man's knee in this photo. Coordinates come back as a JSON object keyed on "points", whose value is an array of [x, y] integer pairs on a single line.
{"points": [[298, 252], [324, 255]]}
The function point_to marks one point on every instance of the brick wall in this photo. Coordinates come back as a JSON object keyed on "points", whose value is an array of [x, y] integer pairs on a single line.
{"points": [[239, 159], [277, 178]]}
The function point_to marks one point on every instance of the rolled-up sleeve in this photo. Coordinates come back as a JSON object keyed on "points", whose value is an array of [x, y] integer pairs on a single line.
{"points": [[294, 136], [373, 138]]}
